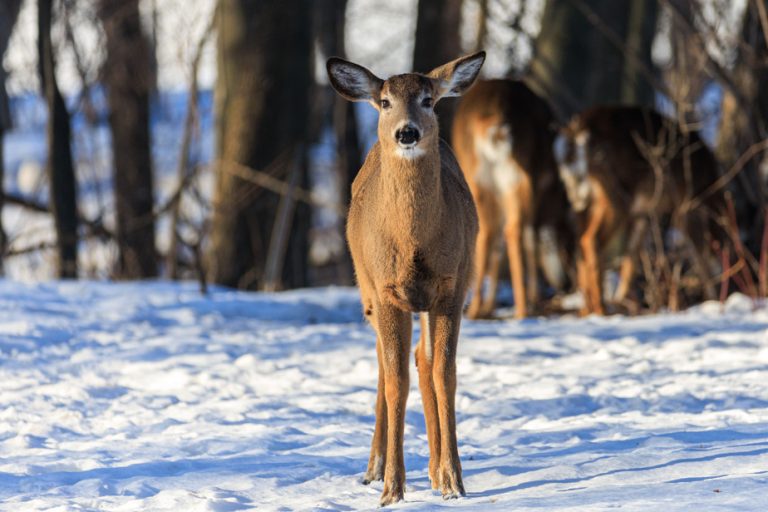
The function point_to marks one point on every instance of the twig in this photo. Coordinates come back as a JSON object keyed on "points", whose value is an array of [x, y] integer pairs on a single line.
{"points": [[725, 278], [763, 18], [278, 243], [183, 174], [42, 246], [723, 180], [272, 184], [95, 227]]}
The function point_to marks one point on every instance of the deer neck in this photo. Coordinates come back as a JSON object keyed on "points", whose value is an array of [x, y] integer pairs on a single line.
{"points": [[411, 194]]}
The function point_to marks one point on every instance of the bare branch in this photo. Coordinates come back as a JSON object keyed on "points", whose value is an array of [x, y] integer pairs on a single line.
{"points": [[269, 182]]}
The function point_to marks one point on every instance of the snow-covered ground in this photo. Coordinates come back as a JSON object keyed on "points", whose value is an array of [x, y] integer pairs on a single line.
{"points": [[150, 396]]}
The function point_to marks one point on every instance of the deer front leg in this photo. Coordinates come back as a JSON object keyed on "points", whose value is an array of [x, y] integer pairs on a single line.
{"points": [[627, 271], [424, 363], [701, 252], [483, 251], [513, 235], [493, 277], [486, 252], [394, 330], [581, 276], [444, 378], [378, 456]]}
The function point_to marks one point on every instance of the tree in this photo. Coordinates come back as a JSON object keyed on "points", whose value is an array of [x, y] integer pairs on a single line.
{"points": [[9, 11], [437, 41], [330, 28], [264, 74], [329, 19], [744, 120], [595, 51], [128, 77], [60, 169]]}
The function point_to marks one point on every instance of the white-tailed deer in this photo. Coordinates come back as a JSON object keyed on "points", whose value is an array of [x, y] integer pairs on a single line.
{"points": [[622, 166], [503, 135], [411, 231]]}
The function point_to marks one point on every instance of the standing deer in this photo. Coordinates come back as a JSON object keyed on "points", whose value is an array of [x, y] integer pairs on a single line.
{"points": [[411, 230], [503, 135], [622, 166]]}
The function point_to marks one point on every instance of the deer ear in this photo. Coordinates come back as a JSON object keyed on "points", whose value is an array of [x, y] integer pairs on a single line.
{"points": [[454, 78], [353, 81]]}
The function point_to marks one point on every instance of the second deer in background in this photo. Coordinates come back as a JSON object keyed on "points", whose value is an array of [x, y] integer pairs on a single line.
{"points": [[624, 168], [503, 135]]}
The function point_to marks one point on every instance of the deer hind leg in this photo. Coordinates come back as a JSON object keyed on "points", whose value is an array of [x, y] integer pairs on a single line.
{"points": [[627, 271], [394, 330], [592, 273], [378, 456], [444, 378], [424, 363], [531, 263]]}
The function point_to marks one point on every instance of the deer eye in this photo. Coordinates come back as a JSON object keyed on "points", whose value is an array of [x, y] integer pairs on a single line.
{"points": [[426, 103], [385, 104]]}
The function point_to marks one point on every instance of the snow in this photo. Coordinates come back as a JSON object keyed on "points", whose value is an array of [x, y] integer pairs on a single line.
{"points": [[151, 396]]}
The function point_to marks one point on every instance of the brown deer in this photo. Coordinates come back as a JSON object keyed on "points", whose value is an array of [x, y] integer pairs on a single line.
{"points": [[503, 134], [622, 166], [411, 230]]}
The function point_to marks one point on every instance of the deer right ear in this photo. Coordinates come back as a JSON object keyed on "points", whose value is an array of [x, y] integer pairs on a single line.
{"points": [[353, 81], [454, 78]]}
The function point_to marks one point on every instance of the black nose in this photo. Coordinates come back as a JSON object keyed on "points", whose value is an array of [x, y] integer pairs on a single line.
{"points": [[407, 135]]}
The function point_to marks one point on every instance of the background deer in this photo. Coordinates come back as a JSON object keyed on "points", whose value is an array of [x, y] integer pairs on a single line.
{"points": [[411, 231], [503, 135], [622, 166]]}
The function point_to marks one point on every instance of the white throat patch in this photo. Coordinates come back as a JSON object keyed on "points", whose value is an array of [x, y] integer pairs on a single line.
{"points": [[410, 153], [498, 170], [574, 174]]}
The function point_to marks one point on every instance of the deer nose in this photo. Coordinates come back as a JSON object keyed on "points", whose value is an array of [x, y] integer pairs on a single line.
{"points": [[407, 135]]}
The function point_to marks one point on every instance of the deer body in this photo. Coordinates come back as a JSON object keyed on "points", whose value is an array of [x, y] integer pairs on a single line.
{"points": [[503, 136], [397, 228], [411, 230], [622, 166]]}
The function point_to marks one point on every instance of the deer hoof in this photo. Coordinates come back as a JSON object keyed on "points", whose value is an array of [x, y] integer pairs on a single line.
{"points": [[375, 470], [451, 485], [392, 494]]}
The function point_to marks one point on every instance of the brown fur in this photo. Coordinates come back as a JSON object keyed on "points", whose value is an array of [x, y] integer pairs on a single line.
{"points": [[625, 190], [411, 231], [537, 199]]}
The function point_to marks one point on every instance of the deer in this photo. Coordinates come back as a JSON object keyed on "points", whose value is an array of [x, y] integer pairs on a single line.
{"points": [[623, 165], [503, 135], [411, 231]]}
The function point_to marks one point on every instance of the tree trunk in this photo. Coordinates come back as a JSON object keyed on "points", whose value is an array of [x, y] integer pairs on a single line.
{"points": [[686, 76], [581, 53], [740, 128], [128, 78], [60, 169], [641, 29], [9, 11], [329, 28], [264, 74], [437, 41]]}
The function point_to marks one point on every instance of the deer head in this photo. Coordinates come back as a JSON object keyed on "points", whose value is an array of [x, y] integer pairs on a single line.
{"points": [[406, 103]]}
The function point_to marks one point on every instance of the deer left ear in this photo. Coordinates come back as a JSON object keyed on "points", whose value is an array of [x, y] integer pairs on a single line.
{"points": [[454, 78]]}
